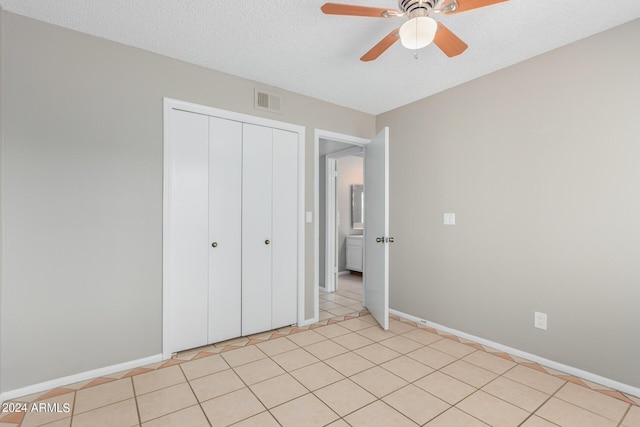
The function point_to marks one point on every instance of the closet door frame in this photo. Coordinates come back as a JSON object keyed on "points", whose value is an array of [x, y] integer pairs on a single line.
{"points": [[173, 104]]}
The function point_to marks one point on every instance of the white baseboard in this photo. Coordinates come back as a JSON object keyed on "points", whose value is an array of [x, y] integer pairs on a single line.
{"points": [[589, 376], [308, 322], [82, 376], [344, 273]]}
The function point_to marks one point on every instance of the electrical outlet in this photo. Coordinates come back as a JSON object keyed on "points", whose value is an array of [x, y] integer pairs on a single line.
{"points": [[449, 219], [540, 320], [423, 322]]}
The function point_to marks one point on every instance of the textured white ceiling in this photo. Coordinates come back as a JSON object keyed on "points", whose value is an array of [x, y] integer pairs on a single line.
{"points": [[290, 44]]}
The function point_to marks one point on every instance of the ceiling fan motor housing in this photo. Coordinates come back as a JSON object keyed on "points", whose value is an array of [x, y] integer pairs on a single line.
{"points": [[413, 8]]}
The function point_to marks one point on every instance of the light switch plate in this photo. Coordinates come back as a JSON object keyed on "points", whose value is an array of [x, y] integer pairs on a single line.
{"points": [[449, 219]]}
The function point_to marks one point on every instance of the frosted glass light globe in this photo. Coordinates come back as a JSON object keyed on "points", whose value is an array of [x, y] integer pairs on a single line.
{"points": [[418, 32]]}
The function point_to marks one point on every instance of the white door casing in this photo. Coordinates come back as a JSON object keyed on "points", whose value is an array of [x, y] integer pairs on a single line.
{"points": [[331, 226], [376, 213]]}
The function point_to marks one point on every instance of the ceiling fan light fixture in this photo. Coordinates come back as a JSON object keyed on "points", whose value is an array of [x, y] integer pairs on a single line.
{"points": [[418, 32]]}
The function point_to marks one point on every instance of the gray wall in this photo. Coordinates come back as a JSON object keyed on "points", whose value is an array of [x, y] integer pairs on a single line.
{"points": [[1, 174], [350, 171], [82, 165], [541, 164]]}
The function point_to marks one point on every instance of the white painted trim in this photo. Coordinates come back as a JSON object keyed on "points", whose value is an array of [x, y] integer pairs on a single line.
{"points": [[316, 228], [330, 223], [232, 115], [301, 223], [340, 137], [576, 372], [308, 322], [166, 184], [344, 273], [334, 136], [168, 105], [82, 376], [354, 151]]}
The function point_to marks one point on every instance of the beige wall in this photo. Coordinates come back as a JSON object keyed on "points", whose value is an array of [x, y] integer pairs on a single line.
{"points": [[1, 173], [541, 164], [83, 193]]}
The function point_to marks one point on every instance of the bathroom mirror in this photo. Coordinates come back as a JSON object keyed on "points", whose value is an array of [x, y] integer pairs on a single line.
{"points": [[357, 206]]}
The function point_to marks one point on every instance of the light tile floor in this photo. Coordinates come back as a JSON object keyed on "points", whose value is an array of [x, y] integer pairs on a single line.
{"points": [[343, 371], [346, 299]]}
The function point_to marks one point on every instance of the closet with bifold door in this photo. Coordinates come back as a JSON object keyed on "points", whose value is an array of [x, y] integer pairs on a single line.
{"points": [[231, 229]]}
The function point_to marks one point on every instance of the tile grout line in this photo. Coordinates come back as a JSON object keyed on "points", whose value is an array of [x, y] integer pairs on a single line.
{"points": [[476, 389], [199, 404], [624, 416], [249, 387], [552, 395], [295, 379], [360, 313], [589, 410], [135, 399]]}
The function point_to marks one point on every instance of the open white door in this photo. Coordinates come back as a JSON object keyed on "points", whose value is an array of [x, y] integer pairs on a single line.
{"points": [[376, 224]]}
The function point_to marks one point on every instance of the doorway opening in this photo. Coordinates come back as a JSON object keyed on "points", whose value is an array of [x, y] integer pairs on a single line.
{"points": [[344, 227], [339, 259]]}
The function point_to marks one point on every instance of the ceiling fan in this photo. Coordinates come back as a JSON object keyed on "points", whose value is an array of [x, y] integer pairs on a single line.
{"points": [[420, 29]]}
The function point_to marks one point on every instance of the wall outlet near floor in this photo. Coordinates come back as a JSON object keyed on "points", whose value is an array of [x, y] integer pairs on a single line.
{"points": [[540, 320], [449, 219], [423, 322]]}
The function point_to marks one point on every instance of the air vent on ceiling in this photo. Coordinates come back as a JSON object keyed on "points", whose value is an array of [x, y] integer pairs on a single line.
{"points": [[268, 101]]}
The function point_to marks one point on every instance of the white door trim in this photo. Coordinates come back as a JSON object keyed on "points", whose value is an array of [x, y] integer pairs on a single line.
{"points": [[170, 104], [333, 136], [330, 265]]}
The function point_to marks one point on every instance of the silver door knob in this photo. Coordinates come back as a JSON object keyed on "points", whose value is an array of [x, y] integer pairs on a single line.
{"points": [[214, 245], [266, 242]]}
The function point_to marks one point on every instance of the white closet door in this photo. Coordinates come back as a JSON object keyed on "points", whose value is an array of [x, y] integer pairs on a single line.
{"points": [[285, 229], [225, 229], [256, 228], [187, 237]]}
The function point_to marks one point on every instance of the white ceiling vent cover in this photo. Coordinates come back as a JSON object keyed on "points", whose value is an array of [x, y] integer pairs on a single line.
{"points": [[268, 101]]}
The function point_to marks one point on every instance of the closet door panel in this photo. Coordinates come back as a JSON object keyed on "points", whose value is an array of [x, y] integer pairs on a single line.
{"points": [[225, 229], [256, 229], [285, 228], [187, 224]]}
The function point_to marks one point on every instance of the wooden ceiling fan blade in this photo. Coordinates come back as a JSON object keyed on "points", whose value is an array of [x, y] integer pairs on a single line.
{"points": [[381, 47], [465, 5], [354, 10], [448, 42]]}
